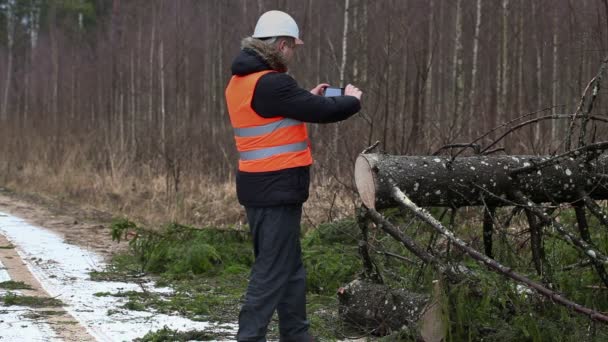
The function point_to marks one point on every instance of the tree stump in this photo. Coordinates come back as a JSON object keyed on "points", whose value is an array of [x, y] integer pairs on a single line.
{"points": [[384, 310]]}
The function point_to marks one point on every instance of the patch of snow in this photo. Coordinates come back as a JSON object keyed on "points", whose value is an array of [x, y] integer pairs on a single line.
{"points": [[3, 273], [15, 326], [523, 289], [63, 271]]}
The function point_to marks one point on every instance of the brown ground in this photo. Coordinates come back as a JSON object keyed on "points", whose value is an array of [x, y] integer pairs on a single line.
{"points": [[86, 228]]}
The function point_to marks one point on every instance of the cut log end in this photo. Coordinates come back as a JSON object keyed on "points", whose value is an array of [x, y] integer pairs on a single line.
{"points": [[365, 182]]}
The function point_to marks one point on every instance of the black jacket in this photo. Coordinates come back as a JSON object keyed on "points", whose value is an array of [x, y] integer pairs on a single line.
{"points": [[278, 94]]}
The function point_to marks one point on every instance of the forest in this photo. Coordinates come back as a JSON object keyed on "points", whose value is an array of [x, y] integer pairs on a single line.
{"points": [[137, 86], [119, 105]]}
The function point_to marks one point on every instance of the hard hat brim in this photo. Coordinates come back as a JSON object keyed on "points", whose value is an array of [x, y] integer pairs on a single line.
{"points": [[299, 41]]}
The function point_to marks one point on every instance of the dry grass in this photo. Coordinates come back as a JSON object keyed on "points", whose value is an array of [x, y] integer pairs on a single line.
{"points": [[142, 192]]}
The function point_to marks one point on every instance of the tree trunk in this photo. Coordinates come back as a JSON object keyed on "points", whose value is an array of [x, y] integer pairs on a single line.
{"points": [[336, 134], [10, 29], [472, 181], [520, 61], [163, 112], [506, 71], [457, 71], [472, 94], [55, 69], [430, 105], [539, 73], [151, 70], [554, 87]]}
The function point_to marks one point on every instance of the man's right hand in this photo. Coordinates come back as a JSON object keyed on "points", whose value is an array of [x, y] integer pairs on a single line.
{"points": [[351, 90]]}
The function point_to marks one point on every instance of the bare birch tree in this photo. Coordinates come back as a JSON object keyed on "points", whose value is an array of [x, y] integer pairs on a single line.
{"points": [[336, 134], [474, 66]]}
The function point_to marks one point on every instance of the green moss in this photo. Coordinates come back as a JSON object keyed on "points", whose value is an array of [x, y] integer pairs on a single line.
{"points": [[198, 257], [166, 334], [10, 299], [329, 267], [134, 305], [330, 256], [182, 251], [344, 232], [14, 285]]}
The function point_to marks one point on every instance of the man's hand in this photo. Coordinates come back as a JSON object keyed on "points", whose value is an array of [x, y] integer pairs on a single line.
{"points": [[351, 90], [318, 90]]}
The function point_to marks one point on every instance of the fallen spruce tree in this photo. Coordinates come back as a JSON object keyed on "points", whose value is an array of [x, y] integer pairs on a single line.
{"points": [[533, 185], [437, 181]]}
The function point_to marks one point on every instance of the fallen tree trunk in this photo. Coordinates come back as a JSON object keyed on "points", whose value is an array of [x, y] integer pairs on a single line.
{"points": [[467, 181]]}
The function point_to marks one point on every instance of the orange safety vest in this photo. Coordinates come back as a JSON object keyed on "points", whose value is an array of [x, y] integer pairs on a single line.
{"points": [[264, 144]]}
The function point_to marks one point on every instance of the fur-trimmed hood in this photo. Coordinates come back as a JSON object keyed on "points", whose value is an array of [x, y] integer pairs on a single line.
{"points": [[257, 56]]}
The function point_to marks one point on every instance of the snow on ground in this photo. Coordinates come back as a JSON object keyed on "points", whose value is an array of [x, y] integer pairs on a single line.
{"points": [[14, 326], [63, 270], [3, 274]]}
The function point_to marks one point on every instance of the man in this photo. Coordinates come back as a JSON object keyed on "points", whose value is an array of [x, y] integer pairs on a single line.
{"points": [[268, 111]]}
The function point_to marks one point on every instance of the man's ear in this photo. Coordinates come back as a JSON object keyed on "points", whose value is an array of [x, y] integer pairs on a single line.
{"points": [[282, 44]]}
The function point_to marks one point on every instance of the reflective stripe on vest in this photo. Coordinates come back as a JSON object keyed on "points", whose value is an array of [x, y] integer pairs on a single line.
{"points": [[271, 151], [265, 129]]}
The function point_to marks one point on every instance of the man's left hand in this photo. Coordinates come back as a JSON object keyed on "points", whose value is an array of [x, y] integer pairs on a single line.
{"points": [[318, 90]]}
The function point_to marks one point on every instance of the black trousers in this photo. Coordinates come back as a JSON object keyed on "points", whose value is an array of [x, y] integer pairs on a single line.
{"points": [[278, 278]]}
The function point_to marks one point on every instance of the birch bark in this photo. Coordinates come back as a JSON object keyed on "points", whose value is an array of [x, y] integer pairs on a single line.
{"points": [[473, 91], [336, 135]]}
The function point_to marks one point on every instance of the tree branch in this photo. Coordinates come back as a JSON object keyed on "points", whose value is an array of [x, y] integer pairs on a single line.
{"points": [[406, 203]]}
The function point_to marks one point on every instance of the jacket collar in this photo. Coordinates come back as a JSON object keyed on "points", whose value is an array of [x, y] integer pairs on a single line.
{"points": [[272, 57]]}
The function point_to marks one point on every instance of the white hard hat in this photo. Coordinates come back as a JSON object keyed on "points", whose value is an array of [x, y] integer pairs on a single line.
{"points": [[275, 24]]}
